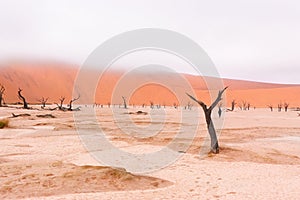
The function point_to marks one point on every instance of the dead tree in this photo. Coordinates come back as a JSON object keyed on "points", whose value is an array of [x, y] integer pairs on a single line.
{"points": [[2, 89], [175, 105], [279, 107], [244, 103], [271, 107], [151, 104], [209, 122], [60, 106], [43, 101], [220, 109], [286, 106], [71, 102], [233, 103], [124, 102], [25, 104], [248, 106]]}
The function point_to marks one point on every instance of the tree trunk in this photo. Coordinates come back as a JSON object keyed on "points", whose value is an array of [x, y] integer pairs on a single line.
{"points": [[212, 132], [25, 105], [1, 98], [124, 101]]}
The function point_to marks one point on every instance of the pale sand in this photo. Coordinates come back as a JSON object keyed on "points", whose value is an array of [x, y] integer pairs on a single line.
{"points": [[45, 159]]}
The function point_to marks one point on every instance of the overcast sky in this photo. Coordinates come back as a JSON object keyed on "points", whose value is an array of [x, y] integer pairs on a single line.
{"points": [[254, 40]]}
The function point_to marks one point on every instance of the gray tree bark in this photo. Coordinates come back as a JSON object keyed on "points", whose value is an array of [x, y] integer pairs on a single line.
{"points": [[210, 125]]}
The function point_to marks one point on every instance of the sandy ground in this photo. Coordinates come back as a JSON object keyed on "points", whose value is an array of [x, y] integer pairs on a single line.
{"points": [[44, 158]]}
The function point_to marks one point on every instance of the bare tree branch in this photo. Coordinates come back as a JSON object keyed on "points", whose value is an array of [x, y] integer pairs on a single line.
{"points": [[25, 104]]}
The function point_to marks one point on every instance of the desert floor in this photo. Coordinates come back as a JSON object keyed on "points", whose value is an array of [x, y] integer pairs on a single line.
{"points": [[44, 158]]}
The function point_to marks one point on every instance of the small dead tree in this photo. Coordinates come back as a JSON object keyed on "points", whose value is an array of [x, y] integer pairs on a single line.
{"points": [[151, 104], [209, 122], [43, 101], [220, 109], [60, 106], [271, 107], [2, 89], [279, 106], [71, 102], [286, 106], [124, 102], [175, 105], [233, 103], [248, 106], [25, 104]]}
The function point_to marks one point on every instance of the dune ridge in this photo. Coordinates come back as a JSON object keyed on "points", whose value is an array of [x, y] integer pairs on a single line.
{"points": [[55, 80]]}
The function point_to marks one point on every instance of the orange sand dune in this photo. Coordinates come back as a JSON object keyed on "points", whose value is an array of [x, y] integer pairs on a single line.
{"points": [[54, 80]]}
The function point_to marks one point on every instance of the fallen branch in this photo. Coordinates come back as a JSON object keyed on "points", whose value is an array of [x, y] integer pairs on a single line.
{"points": [[20, 115]]}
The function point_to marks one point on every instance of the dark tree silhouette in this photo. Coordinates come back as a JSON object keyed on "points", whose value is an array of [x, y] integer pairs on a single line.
{"points": [[71, 102], [286, 106], [124, 102], [271, 107], [248, 106], [43, 101], [209, 122], [175, 105], [220, 109], [60, 106], [151, 104], [279, 107], [25, 104], [233, 103], [2, 89]]}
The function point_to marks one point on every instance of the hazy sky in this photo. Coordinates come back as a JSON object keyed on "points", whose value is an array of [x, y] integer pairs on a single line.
{"points": [[253, 40]]}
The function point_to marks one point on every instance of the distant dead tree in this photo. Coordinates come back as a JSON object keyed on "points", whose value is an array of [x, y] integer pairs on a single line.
{"points": [[72, 101], [240, 106], [151, 104], [220, 109], [43, 101], [271, 107], [60, 105], [279, 106], [209, 122], [233, 103], [244, 105], [248, 106], [25, 104], [175, 105], [188, 106], [124, 102], [286, 106], [2, 89]]}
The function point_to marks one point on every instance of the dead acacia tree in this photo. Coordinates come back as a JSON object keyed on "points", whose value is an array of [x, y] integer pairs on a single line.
{"points": [[124, 102], [233, 103], [286, 106], [279, 107], [210, 126], [220, 109], [43, 101], [25, 104], [271, 107], [151, 104], [71, 102], [60, 106], [2, 89]]}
